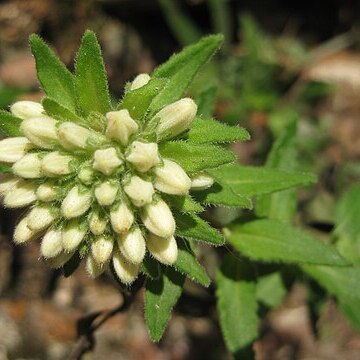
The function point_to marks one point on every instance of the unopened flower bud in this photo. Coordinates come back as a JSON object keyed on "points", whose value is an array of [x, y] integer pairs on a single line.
{"points": [[143, 155], [93, 268], [28, 167], [202, 181], [59, 260], [171, 179], [140, 81], [26, 109], [106, 161], [76, 203], [175, 118], [56, 164], [46, 192], [40, 217], [13, 149], [139, 191], [51, 244], [164, 250], [22, 232], [125, 270], [41, 131], [20, 195], [120, 126], [105, 193], [121, 218], [72, 235], [158, 219], [86, 174], [7, 183], [132, 245], [97, 224], [101, 249]]}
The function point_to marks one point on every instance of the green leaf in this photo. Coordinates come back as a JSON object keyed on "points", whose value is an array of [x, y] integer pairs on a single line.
{"points": [[181, 69], [222, 194], [251, 181], [206, 101], [91, 80], [160, 297], [5, 169], [190, 226], [272, 240], [137, 101], [57, 111], [183, 203], [9, 124], [207, 131], [194, 158], [351, 309], [56, 80], [283, 156], [237, 305], [150, 267], [270, 290], [187, 263]]}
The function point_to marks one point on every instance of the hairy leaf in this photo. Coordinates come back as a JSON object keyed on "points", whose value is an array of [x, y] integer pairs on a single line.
{"points": [[91, 80], [9, 124], [160, 297], [57, 111], [56, 80], [183, 203], [272, 240], [206, 101], [194, 158], [270, 290]]}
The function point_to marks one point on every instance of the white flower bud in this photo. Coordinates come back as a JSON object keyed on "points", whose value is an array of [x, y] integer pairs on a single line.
{"points": [[171, 179], [28, 167], [59, 260], [140, 81], [76, 203], [105, 193], [139, 191], [143, 155], [86, 174], [106, 161], [132, 246], [51, 244], [73, 136], [56, 164], [46, 192], [101, 249], [41, 131], [201, 182], [26, 109], [40, 217], [121, 218], [97, 224], [164, 250], [93, 268], [22, 232], [176, 117], [7, 184], [158, 219], [72, 235], [125, 270], [120, 126], [20, 195], [13, 149]]}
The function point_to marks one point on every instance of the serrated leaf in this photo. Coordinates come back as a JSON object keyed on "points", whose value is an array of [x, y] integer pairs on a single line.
{"points": [[251, 181], [274, 241], [270, 290], [181, 69], [222, 194], [56, 80], [190, 226], [183, 203], [9, 124], [237, 305], [206, 101], [187, 263], [91, 80], [57, 111], [137, 101], [194, 158], [160, 297], [5, 169], [207, 131]]}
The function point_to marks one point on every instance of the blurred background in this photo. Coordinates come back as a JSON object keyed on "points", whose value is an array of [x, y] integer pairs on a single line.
{"points": [[281, 60]]}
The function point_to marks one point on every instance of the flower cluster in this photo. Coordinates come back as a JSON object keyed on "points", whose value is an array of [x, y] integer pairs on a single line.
{"points": [[98, 190]]}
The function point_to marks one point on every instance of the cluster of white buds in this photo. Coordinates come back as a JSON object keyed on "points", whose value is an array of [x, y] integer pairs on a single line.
{"points": [[102, 190]]}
